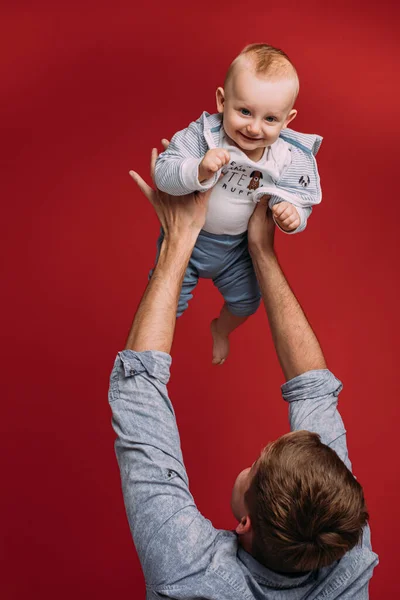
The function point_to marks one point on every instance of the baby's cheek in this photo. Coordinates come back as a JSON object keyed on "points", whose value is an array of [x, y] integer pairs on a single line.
{"points": [[233, 121]]}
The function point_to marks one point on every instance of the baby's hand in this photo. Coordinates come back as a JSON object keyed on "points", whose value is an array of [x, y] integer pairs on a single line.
{"points": [[286, 216], [212, 162]]}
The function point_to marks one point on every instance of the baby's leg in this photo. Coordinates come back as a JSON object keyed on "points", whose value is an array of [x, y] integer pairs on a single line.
{"points": [[239, 287], [189, 283], [221, 328]]}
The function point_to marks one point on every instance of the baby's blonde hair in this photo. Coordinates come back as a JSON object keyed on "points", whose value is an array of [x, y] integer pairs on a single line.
{"points": [[266, 60]]}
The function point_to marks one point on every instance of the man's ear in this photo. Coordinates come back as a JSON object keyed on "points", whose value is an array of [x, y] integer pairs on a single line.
{"points": [[220, 95], [244, 525], [292, 115]]}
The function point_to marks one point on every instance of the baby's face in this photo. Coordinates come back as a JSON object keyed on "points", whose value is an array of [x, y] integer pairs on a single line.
{"points": [[255, 110]]}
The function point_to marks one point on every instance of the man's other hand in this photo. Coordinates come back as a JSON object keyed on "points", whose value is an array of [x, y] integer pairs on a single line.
{"points": [[261, 229]]}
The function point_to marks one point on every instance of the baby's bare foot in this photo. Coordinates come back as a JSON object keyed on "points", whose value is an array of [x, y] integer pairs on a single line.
{"points": [[220, 344]]}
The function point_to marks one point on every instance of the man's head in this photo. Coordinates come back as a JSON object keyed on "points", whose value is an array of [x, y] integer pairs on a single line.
{"points": [[299, 508], [257, 99]]}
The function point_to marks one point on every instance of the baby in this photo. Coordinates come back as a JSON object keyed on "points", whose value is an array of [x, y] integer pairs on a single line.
{"points": [[244, 152]]}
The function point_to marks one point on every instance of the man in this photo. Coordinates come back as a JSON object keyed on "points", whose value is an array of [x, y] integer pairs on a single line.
{"points": [[302, 522]]}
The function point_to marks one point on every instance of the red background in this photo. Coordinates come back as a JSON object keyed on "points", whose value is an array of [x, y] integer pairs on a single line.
{"points": [[87, 90]]}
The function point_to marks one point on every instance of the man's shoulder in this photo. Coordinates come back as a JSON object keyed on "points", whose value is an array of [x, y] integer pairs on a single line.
{"points": [[234, 565], [353, 572], [224, 568]]}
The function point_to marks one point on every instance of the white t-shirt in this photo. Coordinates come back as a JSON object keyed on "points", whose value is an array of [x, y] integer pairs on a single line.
{"points": [[231, 204]]}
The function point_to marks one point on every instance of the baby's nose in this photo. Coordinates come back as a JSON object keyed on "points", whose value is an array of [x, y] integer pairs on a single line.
{"points": [[253, 128]]}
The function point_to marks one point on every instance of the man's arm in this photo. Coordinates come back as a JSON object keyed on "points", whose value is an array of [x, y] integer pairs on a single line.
{"points": [[181, 219], [154, 323], [296, 344], [311, 389], [162, 514]]}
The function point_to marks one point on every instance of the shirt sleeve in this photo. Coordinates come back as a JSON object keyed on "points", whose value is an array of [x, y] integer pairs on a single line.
{"points": [[313, 400], [177, 168], [299, 184], [356, 587], [170, 534]]}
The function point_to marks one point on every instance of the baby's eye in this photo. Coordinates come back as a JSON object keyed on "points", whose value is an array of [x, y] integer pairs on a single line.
{"points": [[270, 119], [245, 112]]}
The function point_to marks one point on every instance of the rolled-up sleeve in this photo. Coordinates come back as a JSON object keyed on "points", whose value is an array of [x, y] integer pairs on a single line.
{"points": [[313, 405], [161, 511]]}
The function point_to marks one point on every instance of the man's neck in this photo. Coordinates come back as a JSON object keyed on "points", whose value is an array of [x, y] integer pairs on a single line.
{"points": [[246, 544]]}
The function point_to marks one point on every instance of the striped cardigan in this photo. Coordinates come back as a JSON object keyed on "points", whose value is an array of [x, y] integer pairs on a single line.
{"points": [[177, 167]]}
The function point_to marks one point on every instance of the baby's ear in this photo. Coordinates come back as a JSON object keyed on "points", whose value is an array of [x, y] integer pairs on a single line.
{"points": [[220, 95], [292, 115]]}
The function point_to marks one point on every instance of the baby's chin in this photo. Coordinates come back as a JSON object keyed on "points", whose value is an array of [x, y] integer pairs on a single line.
{"points": [[252, 146]]}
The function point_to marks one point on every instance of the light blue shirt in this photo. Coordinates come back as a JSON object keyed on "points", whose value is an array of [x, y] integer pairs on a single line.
{"points": [[182, 555]]}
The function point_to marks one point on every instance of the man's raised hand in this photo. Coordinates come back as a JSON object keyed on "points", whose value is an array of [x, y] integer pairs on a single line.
{"points": [[180, 216]]}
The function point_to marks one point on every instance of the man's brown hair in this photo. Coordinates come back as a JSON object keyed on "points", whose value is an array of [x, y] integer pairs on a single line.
{"points": [[307, 509]]}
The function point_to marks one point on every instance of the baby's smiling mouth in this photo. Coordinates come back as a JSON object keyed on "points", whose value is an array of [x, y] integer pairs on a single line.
{"points": [[252, 139]]}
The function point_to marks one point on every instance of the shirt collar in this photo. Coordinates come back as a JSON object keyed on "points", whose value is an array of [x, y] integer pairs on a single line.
{"points": [[272, 578]]}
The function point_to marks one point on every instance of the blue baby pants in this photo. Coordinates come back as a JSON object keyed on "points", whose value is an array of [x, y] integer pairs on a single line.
{"points": [[226, 260]]}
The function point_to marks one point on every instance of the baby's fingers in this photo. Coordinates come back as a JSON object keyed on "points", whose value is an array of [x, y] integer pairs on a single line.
{"points": [[282, 210], [215, 166], [290, 223], [218, 162], [222, 155], [226, 157]]}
